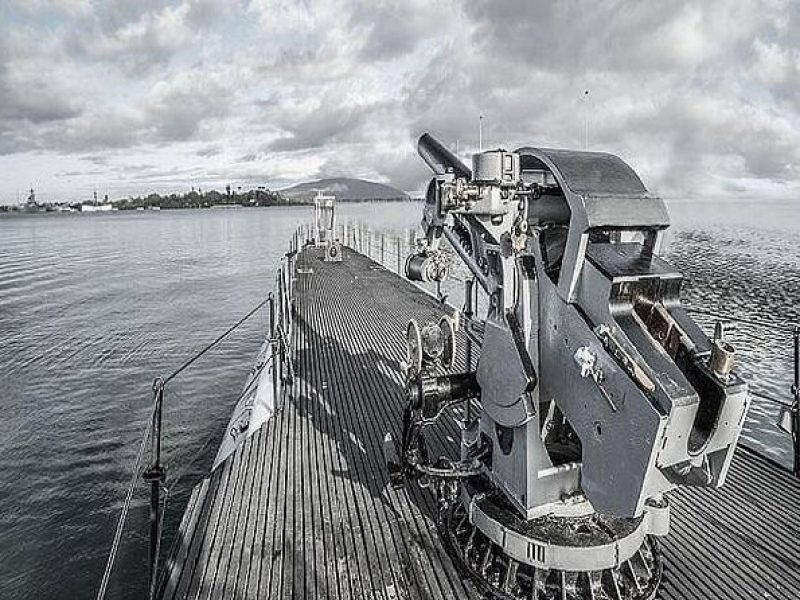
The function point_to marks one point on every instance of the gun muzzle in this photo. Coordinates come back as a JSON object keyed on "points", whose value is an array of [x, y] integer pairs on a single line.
{"points": [[439, 158]]}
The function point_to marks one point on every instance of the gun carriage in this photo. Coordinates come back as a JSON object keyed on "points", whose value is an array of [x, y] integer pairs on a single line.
{"points": [[597, 392]]}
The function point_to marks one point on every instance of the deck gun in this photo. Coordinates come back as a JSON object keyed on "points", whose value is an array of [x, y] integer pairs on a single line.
{"points": [[597, 393]]}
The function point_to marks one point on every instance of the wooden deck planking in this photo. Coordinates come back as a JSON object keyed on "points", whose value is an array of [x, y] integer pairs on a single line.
{"points": [[303, 508], [356, 457]]}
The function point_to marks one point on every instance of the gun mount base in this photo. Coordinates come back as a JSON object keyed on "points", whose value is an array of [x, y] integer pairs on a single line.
{"points": [[589, 557]]}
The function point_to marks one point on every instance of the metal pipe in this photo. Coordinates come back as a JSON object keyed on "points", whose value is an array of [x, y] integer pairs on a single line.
{"points": [[155, 476], [473, 266], [383, 240], [796, 403]]}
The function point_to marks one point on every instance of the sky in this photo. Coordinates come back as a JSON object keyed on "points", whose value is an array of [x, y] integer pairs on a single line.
{"points": [[127, 97]]}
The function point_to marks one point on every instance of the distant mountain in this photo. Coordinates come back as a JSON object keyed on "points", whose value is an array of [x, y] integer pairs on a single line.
{"points": [[345, 189]]}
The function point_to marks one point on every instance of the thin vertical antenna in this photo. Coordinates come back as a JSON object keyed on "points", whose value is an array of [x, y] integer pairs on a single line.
{"points": [[586, 119], [480, 132]]}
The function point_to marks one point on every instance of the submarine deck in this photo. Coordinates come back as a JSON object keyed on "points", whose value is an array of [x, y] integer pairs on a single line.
{"points": [[303, 508]]}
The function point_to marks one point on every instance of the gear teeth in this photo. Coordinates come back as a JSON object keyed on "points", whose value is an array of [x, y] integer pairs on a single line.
{"points": [[500, 577]]}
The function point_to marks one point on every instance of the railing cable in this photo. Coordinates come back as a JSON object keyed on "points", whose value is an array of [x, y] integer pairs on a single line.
{"points": [[230, 330], [112, 555], [770, 399]]}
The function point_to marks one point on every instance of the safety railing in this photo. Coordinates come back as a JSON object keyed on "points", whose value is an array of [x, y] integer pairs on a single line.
{"points": [[155, 473], [281, 329], [391, 248]]}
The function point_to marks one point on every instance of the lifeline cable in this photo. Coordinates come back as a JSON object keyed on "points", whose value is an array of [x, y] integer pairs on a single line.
{"points": [[112, 555], [185, 365]]}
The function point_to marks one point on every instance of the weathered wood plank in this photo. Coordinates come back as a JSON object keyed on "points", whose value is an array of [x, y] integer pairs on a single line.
{"points": [[211, 507], [257, 555], [225, 583], [183, 541], [251, 533], [202, 585]]}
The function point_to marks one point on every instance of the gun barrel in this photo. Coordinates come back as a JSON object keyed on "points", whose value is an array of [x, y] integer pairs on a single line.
{"points": [[439, 158]]}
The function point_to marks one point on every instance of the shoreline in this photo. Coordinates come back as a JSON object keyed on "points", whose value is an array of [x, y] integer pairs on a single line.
{"points": [[5, 211]]}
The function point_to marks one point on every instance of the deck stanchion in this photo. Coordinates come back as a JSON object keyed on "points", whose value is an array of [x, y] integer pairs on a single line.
{"points": [[273, 343], [383, 243], [796, 402], [398, 256], [282, 326], [155, 476]]}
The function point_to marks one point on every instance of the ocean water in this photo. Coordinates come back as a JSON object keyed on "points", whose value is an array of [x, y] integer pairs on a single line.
{"points": [[93, 307]]}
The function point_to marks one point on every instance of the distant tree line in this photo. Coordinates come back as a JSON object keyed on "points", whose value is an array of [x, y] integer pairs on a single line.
{"points": [[261, 196], [201, 199]]}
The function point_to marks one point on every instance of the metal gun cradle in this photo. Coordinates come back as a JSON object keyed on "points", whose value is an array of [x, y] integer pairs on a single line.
{"points": [[597, 392]]}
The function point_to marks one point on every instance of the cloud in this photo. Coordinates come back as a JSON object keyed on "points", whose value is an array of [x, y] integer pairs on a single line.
{"points": [[72, 8], [207, 151], [175, 110], [701, 98], [144, 42], [313, 122]]}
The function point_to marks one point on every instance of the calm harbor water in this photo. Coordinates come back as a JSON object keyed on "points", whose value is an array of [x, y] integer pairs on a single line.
{"points": [[93, 307]]}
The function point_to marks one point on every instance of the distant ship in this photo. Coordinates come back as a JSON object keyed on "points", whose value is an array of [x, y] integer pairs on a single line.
{"points": [[31, 205], [95, 206]]}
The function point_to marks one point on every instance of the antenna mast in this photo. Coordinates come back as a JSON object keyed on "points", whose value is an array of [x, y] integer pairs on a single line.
{"points": [[586, 120]]}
